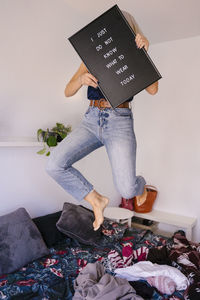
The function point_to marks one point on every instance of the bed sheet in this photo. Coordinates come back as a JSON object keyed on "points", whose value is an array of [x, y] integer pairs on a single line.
{"points": [[52, 277]]}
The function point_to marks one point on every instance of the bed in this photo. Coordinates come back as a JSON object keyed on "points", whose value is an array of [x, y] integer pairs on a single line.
{"points": [[52, 276]]}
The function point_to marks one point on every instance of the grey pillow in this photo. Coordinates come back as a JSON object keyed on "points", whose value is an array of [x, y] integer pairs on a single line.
{"points": [[76, 221], [20, 241]]}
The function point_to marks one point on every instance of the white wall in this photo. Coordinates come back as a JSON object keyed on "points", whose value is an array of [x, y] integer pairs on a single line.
{"points": [[167, 127], [36, 61]]}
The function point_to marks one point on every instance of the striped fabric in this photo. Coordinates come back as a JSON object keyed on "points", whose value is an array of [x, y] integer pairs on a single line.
{"points": [[164, 284], [141, 253]]}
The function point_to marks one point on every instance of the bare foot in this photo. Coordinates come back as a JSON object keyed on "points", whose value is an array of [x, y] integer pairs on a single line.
{"points": [[142, 198], [98, 203]]}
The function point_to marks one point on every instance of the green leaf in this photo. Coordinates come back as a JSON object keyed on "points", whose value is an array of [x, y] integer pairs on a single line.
{"points": [[60, 125], [39, 133], [51, 141], [42, 151], [48, 153]]}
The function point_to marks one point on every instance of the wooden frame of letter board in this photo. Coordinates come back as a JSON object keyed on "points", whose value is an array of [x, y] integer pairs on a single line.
{"points": [[137, 60]]}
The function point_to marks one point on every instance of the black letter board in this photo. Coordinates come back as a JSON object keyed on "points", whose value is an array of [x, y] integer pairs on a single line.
{"points": [[108, 49]]}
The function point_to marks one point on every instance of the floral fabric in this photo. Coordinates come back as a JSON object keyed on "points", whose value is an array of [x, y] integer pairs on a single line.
{"points": [[52, 277]]}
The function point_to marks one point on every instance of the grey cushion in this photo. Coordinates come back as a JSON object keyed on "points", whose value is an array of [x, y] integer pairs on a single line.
{"points": [[20, 241], [76, 221]]}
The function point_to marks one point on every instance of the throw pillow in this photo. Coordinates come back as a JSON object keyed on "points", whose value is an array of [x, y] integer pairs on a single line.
{"points": [[47, 227], [20, 241], [76, 221]]}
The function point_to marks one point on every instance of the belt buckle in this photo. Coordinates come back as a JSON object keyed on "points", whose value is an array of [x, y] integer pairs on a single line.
{"points": [[99, 104]]}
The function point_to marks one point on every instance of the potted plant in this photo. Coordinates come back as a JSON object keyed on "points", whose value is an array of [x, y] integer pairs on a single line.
{"points": [[52, 137]]}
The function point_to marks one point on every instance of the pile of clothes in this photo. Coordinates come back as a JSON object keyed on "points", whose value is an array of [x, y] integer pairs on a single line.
{"points": [[135, 274]]}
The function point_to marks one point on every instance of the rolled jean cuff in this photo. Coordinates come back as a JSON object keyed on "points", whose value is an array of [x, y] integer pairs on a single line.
{"points": [[89, 189]]}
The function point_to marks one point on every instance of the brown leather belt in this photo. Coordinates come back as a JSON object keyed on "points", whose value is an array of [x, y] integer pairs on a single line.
{"points": [[103, 103]]}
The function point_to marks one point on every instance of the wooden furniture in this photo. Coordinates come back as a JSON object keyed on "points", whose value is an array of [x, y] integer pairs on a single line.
{"points": [[182, 222]]}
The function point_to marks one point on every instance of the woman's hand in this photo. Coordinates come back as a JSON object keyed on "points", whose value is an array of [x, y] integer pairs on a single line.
{"points": [[88, 79], [80, 78], [141, 41]]}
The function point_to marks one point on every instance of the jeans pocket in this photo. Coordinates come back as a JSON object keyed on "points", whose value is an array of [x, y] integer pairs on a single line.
{"points": [[123, 112]]}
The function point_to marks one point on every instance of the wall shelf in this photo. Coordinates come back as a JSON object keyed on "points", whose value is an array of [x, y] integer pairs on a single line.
{"points": [[20, 142]]}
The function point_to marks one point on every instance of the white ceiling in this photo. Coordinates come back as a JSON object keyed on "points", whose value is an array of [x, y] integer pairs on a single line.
{"points": [[160, 20]]}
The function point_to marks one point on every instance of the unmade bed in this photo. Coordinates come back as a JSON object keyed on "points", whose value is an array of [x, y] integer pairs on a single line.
{"points": [[53, 276]]}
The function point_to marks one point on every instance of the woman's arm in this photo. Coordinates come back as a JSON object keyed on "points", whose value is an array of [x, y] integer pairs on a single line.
{"points": [[80, 78], [153, 88], [141, 41]]}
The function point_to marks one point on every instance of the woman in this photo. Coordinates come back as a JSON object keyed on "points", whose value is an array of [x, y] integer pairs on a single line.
{"points": [[101, 126]]}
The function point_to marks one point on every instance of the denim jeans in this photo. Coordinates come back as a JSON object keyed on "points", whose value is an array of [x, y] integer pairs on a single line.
{"points": [[112, 128]]}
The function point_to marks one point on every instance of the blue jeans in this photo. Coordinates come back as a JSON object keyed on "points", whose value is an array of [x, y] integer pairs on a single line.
{"points": [[112, 128]]}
